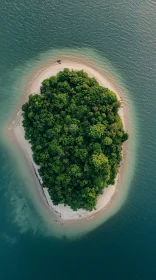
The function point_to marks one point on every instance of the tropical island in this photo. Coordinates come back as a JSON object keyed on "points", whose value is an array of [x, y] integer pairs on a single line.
{"points": [[76, 137]]}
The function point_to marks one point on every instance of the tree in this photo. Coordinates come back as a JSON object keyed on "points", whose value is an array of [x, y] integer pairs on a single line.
{"points": [[107, 141]]}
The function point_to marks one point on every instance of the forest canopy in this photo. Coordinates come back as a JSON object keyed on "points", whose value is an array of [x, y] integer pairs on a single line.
{"points": [[76, 136]]}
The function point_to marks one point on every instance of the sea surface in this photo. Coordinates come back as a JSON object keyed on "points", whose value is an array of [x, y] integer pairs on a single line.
{"points": [[120, 37]]}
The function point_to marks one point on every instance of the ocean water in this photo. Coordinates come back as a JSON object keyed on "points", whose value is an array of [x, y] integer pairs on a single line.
{"points": [[121, 37]]}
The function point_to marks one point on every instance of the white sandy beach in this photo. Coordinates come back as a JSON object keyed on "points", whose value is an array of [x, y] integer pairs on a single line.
{"points": [[65, 213]]}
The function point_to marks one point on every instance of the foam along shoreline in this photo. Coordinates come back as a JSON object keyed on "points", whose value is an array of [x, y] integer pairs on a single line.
{"points": [[61, 212]]}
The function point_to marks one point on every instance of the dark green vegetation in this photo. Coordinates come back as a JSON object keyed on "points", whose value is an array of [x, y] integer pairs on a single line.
{"points": [[76, 136]]}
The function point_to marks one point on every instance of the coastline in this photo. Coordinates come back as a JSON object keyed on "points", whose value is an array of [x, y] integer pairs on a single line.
{"points": [[64, 213]]}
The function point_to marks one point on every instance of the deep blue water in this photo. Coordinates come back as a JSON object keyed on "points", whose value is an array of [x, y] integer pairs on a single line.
{"points": [[123, 33]]}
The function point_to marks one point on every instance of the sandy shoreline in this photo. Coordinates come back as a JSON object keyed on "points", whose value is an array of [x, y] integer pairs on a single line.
{"points": [[60, 212]]}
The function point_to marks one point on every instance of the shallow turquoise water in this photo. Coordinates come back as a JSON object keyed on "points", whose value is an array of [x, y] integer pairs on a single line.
{"points": [[28, 73], [123, 35]]}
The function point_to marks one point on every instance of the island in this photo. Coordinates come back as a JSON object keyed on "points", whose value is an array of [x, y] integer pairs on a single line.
{"points": [[76, 136]]}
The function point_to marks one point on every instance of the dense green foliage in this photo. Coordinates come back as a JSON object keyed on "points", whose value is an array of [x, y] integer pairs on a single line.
{"points": [[76, 136]]}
